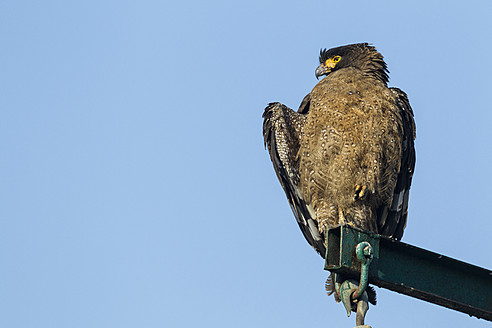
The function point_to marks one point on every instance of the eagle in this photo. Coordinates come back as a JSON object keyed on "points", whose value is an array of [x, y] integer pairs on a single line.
{"points": [[347, 155]]}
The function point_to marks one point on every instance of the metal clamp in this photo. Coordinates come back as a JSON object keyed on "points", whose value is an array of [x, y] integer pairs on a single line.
{"points": [[353, 294], [364, 253]]}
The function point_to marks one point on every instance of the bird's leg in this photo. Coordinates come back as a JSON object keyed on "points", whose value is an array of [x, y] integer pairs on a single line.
{"points": [[326, 216], [360, 192], [341, 217]]}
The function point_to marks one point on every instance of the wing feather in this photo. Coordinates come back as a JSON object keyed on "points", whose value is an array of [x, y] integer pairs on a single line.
{"points": [[393, 219], [281, 130]]}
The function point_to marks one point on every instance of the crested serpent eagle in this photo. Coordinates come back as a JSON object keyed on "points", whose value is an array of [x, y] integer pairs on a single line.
{"points": [[347, 155]]}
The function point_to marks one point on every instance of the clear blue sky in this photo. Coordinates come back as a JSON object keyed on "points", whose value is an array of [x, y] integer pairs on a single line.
{"points": [[134, 187]]}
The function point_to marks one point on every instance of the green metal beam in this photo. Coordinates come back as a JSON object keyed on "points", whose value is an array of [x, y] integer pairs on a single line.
{"points": [[413, 271]]}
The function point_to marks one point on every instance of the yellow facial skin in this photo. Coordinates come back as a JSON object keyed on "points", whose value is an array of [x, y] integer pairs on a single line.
{"points": [[326, 67], [332, 62]]}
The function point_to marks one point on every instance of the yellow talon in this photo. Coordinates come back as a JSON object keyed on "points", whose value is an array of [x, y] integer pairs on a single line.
{"points": [[363, 192], [360, 192]]}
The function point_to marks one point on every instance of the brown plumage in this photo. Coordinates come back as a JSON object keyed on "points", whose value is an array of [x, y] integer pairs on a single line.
{"points": [[347, 156]]}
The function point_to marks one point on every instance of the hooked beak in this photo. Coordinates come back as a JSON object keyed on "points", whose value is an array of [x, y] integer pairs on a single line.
{"points": [[322, 70]]}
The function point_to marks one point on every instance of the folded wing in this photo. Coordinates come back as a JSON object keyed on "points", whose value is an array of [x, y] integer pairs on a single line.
{"points": [[282, 128], [393, 219]]}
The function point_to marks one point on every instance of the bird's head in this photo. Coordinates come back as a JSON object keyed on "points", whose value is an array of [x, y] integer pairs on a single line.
{"points": [[360, 56]]}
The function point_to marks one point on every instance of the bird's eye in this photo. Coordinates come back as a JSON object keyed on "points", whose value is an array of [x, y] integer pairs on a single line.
{"points": [[336, 59]]}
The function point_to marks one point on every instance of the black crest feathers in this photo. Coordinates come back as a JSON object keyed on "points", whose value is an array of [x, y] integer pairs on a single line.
{"points": [[360, 55]]}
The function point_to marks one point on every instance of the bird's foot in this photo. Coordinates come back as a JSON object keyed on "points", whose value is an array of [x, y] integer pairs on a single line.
{"points": [[360, 192]]}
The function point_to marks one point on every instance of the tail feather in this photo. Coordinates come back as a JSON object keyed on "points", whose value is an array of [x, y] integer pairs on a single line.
{"points": [[330, 288]]}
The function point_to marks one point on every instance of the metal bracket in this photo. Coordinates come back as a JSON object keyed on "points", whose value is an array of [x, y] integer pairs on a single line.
{"points": [[412, 271]]}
